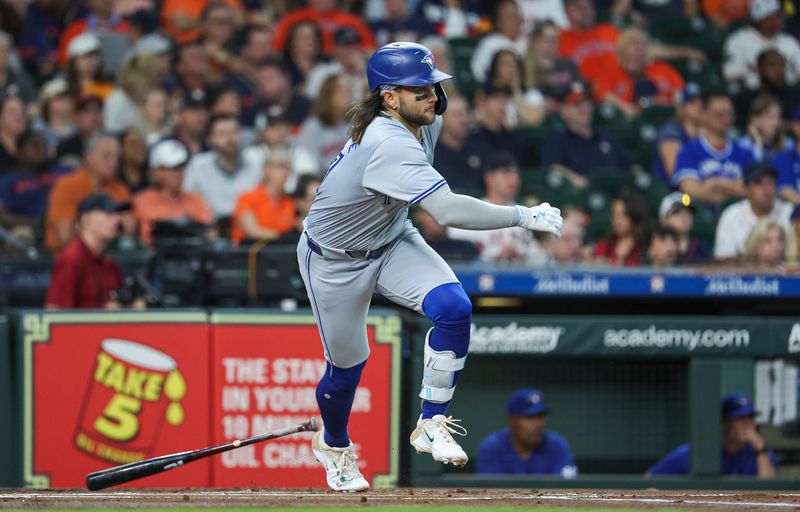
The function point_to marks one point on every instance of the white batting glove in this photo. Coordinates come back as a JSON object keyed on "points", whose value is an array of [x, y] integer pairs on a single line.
{"points": [[542, 217]]}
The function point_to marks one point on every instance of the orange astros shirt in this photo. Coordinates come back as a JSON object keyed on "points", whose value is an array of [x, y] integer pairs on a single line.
{"points": [[279, 217], [614, 79], [150, 205], [581, 46], [67, 194]]}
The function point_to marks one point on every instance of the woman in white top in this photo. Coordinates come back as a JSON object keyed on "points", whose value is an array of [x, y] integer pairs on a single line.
{"points": [[765, 136], [138, 75], [506, 34], [527, 106]]}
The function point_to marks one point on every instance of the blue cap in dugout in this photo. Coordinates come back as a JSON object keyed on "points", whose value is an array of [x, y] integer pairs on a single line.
{"points": [[409, 64], [527, 401], [737, 405]]}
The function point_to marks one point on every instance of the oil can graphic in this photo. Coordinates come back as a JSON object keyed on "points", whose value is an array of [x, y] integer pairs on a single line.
{"points": [[133, 391]]}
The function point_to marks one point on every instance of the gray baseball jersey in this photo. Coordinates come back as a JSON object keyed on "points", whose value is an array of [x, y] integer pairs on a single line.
{"points": [[363, 200], [362, 204]]}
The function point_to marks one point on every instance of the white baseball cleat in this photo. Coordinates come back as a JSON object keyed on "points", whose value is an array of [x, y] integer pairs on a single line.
{"points": [[435, 436], [341, 469]]}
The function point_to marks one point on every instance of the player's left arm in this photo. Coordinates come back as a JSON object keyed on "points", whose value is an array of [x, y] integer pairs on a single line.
{"points": [[399, 169], [466, 212]]}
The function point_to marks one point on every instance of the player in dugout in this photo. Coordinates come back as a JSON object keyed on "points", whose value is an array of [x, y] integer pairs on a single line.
{"points": [[743, 449], [526, 446], [358, 240]]}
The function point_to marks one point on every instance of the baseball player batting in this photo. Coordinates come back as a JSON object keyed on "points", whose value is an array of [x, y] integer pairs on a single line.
{"points": [[358, 240]]}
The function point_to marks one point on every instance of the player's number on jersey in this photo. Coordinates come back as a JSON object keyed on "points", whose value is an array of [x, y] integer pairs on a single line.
{"points": [[335, 162], [339, 157]]}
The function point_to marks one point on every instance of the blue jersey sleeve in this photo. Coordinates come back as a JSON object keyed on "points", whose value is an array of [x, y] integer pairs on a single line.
{"points": [[490, 456], [748, 159], [562, 463], [671, 130], [675, 462], [783, 164], [685, 166]]}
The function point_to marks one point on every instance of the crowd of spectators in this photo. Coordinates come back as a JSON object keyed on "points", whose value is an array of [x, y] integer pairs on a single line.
{"points": [[228, 112]]}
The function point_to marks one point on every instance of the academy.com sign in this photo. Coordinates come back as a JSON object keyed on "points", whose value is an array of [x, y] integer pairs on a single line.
{"points": [[688, 339], [514, 338]]}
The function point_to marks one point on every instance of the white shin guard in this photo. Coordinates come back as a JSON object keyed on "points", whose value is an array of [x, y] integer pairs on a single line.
{"points": [[437, 376]]}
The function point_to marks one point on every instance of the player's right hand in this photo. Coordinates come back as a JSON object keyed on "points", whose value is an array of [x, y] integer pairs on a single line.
{"points": [[541, 217]]}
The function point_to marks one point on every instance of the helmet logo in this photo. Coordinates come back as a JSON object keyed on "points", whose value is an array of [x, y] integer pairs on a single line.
{"points": [[428, 59]]}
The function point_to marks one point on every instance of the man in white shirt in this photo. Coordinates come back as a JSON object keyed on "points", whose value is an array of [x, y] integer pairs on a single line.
{"points": [[742, 47], [738, 219], [223, 173]]}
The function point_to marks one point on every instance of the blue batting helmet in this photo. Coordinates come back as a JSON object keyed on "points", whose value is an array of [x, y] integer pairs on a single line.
{"points": [[406, 63]]}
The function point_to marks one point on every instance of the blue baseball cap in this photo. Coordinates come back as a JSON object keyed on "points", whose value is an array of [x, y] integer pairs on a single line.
{"points": [[737, 405], [689, 92], [527, 401]]}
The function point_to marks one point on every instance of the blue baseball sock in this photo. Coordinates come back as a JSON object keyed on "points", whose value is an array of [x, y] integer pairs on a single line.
{"points": [[451, 311], [335, 393]]}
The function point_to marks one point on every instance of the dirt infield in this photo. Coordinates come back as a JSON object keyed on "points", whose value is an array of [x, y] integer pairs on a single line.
{"points": [[268, 498]]}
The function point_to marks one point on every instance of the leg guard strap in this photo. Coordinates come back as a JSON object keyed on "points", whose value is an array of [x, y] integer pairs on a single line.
{"points": [[438, 375], [445, 361], [436, 394]]}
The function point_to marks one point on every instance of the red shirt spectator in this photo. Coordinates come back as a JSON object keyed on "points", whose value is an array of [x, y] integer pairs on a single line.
{"points": [[606, 249], [625, 244], [324, 14], [82, 276]]}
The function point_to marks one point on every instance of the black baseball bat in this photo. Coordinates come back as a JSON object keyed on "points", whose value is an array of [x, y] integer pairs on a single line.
{"points": [[140, 469]]}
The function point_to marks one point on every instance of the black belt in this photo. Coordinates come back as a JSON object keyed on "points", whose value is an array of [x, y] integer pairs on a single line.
{"points": [[373, 254]]}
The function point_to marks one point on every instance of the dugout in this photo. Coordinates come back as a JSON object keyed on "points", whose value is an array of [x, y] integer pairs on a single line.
{"points": [[624, 391]]}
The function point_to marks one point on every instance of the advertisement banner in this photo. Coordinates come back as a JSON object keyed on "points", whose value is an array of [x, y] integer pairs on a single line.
{"points": [[648, 336], [265, 373], [643, 282], [109, 389]]}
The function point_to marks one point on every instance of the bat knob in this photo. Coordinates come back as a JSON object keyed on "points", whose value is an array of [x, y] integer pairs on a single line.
{"points": [[312, 425]]}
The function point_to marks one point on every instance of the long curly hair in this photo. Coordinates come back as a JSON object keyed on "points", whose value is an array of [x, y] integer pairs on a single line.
{"points": [[362, 113]]}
